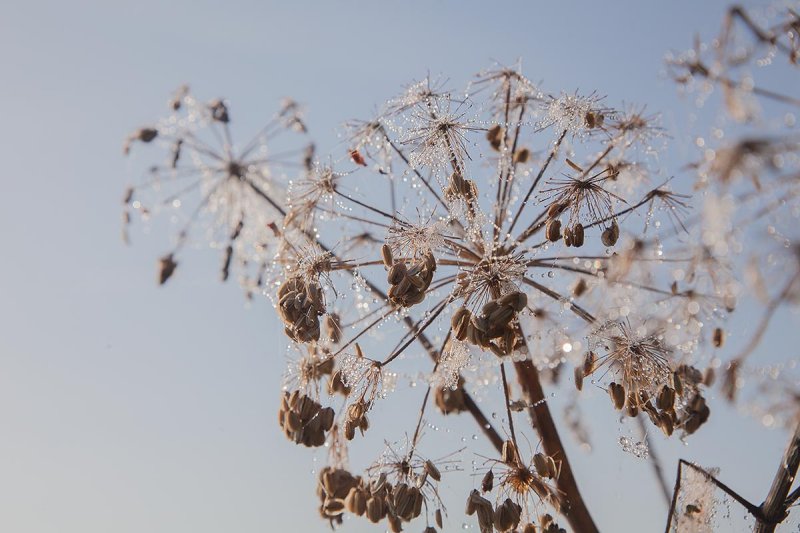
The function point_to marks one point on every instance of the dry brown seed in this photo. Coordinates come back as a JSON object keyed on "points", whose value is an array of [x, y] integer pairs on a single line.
{"points": [[610, 235], [529, 528], [541, 465], [472, 504], [709, 376], [677, 383], [522, 156], [495, 134], [334, 507], [509, 453], [166, 267], [666, 398], [579, 288], [430, 529], [577, 235], [432, 471], [487, 483], [396, 273], [395, 524], [589, 362], [568, 237], [555, 209], [718, 337], [507, 515], [579, 378], [617, 393], [666, 424], [438, 518], [553, 230], [376, 509]]}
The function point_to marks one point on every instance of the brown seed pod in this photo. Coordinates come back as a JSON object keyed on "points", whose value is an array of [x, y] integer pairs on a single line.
{"points": [[487, 483], [166, 267], [666, 398], [709, 376], [677, 383], [437, 516], [617, 393], [666, 424], [333, 328], [610, 235], [507, 515], [495, 136], [718, 337], [509, 452], [432, 471], [386, 255], [579, 288], [555, 209], [553, 230], [579, 378], [376, 509], [589, 362], [568, 237], [542, 465], [577, 235], [522, 156]]}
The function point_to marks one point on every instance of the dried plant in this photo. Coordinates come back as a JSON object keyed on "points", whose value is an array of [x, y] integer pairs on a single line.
{"points": [[215, 190], [461, 238], [749, 174]]}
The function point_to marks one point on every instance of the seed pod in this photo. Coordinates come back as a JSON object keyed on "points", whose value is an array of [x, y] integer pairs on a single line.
{"points": [[617, 393], [437, 516], [472, 503], [529, 528], [677, 383], [709, 376], [589, 362], [555, 209], [553, 230], [718, 337], [509, 453], [395, 524], [166, 267], [376, 509], [386, 255], [666, 398], [579, 288], [487, 483], [610, 235], [494, 133], [334, 507], [397, 274], [666, 424], [541, 465], [459, 322], [577, 235], [517, 300], [507, 515], [522, 156], [356, 501], [579, 378], [432, 471], [568, 237]]}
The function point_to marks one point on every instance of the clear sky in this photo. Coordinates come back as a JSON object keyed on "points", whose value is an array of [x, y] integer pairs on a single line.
{"points": [[127, 407]]}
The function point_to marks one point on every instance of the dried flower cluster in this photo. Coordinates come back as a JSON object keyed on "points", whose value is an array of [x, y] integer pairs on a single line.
{"points": [[498, 231]]}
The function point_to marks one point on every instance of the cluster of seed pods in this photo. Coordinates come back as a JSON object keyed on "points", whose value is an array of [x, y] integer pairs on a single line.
{"points": [[300, 304], [379, 499], [407, 284], [493, 327], [303, 420]]}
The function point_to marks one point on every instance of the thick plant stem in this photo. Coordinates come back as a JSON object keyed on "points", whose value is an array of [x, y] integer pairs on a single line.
{"points": [[574, 508], [775, 509]]}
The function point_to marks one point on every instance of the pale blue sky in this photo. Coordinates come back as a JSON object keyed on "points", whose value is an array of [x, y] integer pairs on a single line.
{"points": [[127, 407]]}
